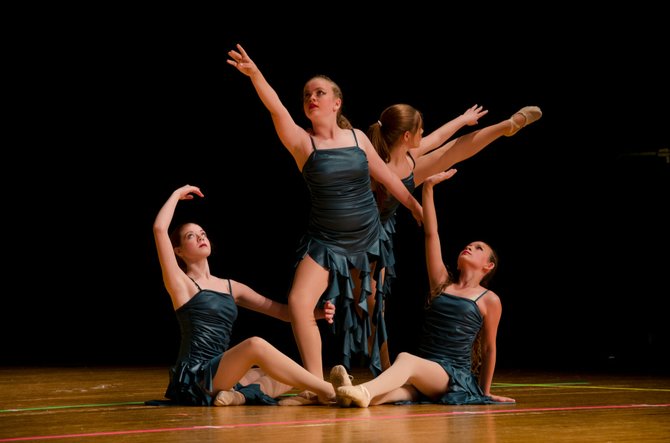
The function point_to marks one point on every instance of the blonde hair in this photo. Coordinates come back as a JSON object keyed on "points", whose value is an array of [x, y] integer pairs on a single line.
{"points": [[342, 121]]}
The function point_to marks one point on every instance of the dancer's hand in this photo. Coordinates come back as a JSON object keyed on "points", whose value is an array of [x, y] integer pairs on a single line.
{"points": [[502, 399], [439, 177], [473, 114], [326, 313], [241, 60], [186, 192]]}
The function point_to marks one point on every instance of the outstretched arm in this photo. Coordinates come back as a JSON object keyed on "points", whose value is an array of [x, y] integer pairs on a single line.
{"points": [[175, 280], [457, 150], [291, 135], [437, 270], [439, 136], [250, 299]]}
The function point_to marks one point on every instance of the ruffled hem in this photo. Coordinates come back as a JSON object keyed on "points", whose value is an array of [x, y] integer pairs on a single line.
{"points": [[463, 388], [191, 384], [354, 330], [389, 274], [381, 336]]}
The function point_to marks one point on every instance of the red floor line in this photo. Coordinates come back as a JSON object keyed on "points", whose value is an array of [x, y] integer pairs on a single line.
{"points": [[333, 420]]}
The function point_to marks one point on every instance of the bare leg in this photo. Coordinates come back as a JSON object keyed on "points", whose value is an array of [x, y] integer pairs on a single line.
{"points": [[372, 301], [256, 351], [404, 393], [457, 150], [252, 376], [272, 387], [470, 144], [391, 385], [310, 281], [269, 385]]}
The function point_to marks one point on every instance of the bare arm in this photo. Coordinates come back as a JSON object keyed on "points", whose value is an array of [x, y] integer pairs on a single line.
{"points": [[175, 280], [430, 160], [439, 136], [437, 270], [492, 314], [248, 298], [292, 136]]}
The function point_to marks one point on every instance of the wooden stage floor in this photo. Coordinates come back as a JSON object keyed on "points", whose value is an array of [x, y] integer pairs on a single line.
{"points": [[106, 404]]}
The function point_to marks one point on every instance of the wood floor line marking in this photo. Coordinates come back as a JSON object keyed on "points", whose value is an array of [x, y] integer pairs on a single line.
{"points": [[580, 386], [332, 420], [90, 405]]}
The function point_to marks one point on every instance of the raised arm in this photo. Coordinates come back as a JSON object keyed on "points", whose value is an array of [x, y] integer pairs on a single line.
{"points": [[439, 136], [175, 280], [437, 270], [292, 136], [430, 160], [467, 145]]}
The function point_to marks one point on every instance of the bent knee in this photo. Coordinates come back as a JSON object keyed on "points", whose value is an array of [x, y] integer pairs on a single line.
{"points": [[405, 356], [408, 358], [257, 343]]}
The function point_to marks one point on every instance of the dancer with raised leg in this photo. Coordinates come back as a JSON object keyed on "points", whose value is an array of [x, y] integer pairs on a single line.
{"points": [[460, 308], [398, 138]]}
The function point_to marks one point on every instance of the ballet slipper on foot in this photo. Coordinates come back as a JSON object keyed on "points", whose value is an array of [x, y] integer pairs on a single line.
{"points": [[339, 377], [358, 395], [229, 398], [530, 114], [305, 398]]}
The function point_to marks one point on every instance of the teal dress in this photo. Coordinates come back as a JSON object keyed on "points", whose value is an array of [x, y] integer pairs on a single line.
{"points": [[450, 328], [344, 233], [205, 323], [387, 213]]}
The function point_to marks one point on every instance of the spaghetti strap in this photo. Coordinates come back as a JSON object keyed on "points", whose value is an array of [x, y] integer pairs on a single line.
{"points": [[196, 285], [413, 161], [230, 287], [311, 139], [481, 295], [355, 139]]}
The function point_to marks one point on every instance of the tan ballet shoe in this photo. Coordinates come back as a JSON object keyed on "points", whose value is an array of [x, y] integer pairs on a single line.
{"points": [[338, 378], [358, 395], [530, 114], [229, 398]]}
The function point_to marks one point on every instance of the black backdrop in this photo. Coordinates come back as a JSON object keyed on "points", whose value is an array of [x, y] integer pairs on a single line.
{"points": [[121, 113]]}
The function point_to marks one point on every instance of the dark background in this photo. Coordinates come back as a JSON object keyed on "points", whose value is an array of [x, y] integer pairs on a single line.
{"points": [[122, 109]]}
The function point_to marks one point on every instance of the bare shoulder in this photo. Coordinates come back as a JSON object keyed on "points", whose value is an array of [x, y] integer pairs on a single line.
{"points": [[362, 138], [240, 290], [232, 284], [490, 302], [491, 296]]}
